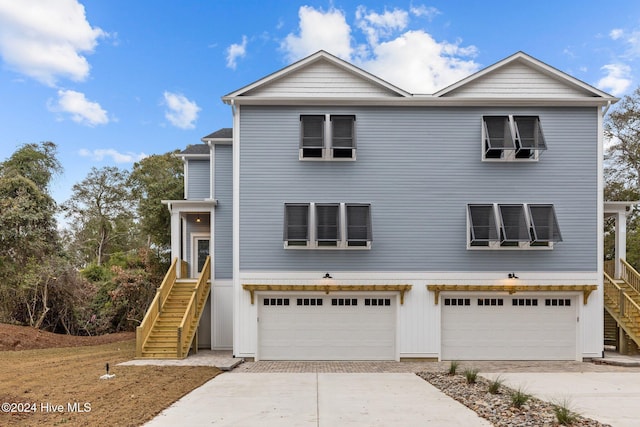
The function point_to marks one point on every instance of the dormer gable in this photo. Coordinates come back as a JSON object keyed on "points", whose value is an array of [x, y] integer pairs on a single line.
{"points": [[320, 75], [521, 76]]}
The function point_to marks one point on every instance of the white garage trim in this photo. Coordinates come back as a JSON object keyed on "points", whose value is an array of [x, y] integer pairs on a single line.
{"points": [[343, 326], [493, 326]]}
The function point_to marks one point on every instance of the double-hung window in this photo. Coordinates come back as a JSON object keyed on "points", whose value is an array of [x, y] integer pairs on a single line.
{"points": [[327, 225], [327, 137], [512, 138], [498, 226]]}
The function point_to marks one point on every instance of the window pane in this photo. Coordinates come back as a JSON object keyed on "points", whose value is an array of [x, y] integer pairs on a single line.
{"points": [[529, 132], [498, 133], [358, 225], [544, 223], [483, 224], [296, 225], [342, 131], [514, 223], [327, 224], [312, 131]]}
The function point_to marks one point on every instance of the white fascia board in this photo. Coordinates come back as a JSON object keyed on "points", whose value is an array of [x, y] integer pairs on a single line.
{"points": [[427, 101], [190, 205], [217, 141], [436, 277]]}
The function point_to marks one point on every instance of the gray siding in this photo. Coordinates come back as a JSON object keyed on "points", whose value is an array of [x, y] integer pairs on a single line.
{"points": [[224, 212], [517, 80], [194, 227], [418, 167], [199, 181], [322, 79]]}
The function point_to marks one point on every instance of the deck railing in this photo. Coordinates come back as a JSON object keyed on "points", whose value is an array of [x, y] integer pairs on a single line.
{"points": [[162, 292], [186, 330], [630, 275]]}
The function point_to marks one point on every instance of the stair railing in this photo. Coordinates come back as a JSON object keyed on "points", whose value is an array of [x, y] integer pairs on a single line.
{"points": [[627, 311], [189, 323], [630, 275], [155, 308]]}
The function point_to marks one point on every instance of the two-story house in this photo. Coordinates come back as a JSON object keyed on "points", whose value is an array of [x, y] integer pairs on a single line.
{"points": [[348, 219]]}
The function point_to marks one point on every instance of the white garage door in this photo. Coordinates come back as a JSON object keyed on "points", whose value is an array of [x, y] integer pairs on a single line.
{"points": [[345, 327], [509, 328]]}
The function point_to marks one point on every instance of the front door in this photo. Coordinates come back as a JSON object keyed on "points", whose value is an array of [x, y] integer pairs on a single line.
{"points": [[199, 252]]}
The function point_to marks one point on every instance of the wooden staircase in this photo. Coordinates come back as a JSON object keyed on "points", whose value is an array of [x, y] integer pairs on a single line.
{"points": [[170, 325], [622, 303]]}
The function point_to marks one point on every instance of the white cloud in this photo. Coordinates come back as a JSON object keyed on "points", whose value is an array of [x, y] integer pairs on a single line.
{"points": [[319, 31], [422, 10], [180, 112], [617, 80], [375, 25], [101, 153], [616, 33], [410, 59], [47, 40], [80, 108], [418, 63], [236, 51]]}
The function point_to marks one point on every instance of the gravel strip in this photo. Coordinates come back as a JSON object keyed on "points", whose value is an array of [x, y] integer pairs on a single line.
{"points": [[498, 408]]}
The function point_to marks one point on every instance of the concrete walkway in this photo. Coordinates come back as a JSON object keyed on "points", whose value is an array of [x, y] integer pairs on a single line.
{"points": [[317, 399], [609, 397]]}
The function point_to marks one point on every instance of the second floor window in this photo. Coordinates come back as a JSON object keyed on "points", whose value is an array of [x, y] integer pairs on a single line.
{"points": [[512, 138], [327, 137]]}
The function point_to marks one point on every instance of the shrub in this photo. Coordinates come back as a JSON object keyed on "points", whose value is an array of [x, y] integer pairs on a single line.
{"points": [[495, 384], [519, 398], [564, 415], [471, 375], [453, 367]]}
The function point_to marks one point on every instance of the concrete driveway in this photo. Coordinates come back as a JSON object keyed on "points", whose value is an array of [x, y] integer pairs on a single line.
{"points": [[609, 397], [317, 399]]}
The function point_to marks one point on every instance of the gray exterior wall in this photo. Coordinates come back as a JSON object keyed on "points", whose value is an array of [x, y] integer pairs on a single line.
{"points": [[194, 227], [199, 180], [223, 192], [419, 168]]}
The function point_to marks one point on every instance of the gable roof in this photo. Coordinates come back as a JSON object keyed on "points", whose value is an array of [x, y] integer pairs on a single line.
{"points": [[224, 133], [522, 75], [308, 75], [323, 79]]}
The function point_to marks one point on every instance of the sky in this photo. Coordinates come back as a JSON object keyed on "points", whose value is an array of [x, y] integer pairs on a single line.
{"points": [[113, 81]]}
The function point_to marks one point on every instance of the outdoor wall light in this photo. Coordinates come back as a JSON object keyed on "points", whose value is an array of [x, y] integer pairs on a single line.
{"points": [[198, 218], [327, 276], [512, 276]]}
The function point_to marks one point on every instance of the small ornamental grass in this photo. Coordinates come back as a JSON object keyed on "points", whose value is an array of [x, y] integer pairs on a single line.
{"points": [[495, 384], [453, 367], [564, 414], [471, 375], [519, 398]]}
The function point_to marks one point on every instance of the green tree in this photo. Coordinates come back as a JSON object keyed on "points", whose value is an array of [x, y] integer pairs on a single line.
{"points": [[622, 169], [153, 179], [101, 210], [31, 260]]}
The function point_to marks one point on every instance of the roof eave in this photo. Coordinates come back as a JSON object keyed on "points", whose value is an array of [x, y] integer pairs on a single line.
{"points": [[425, 101]]}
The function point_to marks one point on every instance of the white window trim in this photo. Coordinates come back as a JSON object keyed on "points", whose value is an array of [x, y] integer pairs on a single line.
{"points": [[509, 154], [327, 150], [342, 243], [496, 245]]}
